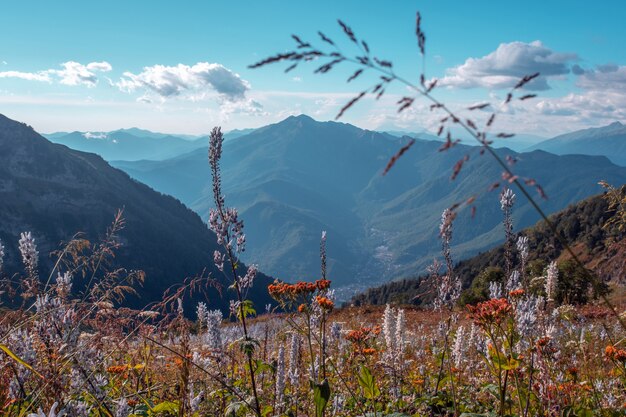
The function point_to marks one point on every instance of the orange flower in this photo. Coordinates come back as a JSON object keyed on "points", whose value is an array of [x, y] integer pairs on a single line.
{"points": [[610, 351], [117, 369], [368, 351], [325, 303], [322, 284], [361, 335], [302, 308], [280, 290], [614, 353], [516, 293], [489, 312]]}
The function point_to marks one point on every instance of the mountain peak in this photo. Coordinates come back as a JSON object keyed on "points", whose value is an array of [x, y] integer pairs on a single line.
{"points": [[301, 118]]}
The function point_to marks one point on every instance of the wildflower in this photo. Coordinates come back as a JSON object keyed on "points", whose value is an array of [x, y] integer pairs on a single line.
{"points": [[64, 284], [201, 312], [322, 284], [247, 280], [324, 303], [526, 314], [323, 254], [495, 290], [302, 308], [516, 293], [195, 400], [507, 199], [280, 376], [117, 369], [458, 350], [338, 405], [234, 308], [399, 340], [551, 280], [1, 255], [77, 409], [214, 334], [488, 312], [293, 373], [52, 413], [513, 282], [281, 290], [474, 336], [335, 331], [615, 354], [218, 260], [123, 409], [389, 330], [180, 309], [448, 286], [522, 248], [29, 253]]}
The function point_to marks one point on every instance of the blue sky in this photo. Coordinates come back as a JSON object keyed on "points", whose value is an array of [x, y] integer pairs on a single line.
{"points": [[182, 67]]}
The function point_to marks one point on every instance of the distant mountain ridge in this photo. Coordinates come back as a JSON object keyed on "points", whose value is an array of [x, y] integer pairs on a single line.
{"points": [[295, 178], [134, 144], [609, 141], [518, 143], [55, 192]]}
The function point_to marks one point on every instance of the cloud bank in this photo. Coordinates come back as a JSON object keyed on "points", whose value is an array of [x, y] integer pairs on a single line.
{"points": [[72, 73], [172, 81], [504, 67]]}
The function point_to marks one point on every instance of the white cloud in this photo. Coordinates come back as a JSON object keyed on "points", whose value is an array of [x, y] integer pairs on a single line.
{"points": [[170, 81], [95, 135], [30, 76], [504, 67], [73, 73], [248, 107], [607, 77]]}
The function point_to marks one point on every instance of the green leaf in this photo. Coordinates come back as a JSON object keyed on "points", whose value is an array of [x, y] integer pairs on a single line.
{"points": [[267, 410], [246, 310], [19, 360], [366, 381], [167, 407], [321, 395]]}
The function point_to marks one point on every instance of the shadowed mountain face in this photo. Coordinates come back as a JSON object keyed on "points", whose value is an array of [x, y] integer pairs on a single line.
{"points": [[293, 179], [609, 141], [55, 192]]}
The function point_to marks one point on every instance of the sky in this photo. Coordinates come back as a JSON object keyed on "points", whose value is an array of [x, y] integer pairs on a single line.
{"points": [[183, 67]]}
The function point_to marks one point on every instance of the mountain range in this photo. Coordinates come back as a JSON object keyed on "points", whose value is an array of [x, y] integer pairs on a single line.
{"points": [[135, 144], [519, 142], [609, 141], [55, 192], [293, 179]]}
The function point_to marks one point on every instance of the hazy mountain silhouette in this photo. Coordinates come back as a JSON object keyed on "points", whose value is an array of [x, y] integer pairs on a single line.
{"points": [[135, 144], [609, 141]]}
